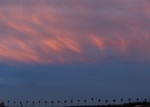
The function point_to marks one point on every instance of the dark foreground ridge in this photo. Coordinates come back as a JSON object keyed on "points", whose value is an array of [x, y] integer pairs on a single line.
{"points": [[137, 103], [2, 104]]}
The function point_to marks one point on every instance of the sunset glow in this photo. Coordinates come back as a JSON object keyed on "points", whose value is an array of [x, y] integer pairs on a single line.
{"points": [[74, 50], [45, 34]]}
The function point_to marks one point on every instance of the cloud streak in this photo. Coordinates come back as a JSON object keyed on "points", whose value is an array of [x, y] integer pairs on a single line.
{"points": [[74, 31]]}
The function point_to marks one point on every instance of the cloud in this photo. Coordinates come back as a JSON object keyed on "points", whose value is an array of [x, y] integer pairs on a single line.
{"points": [[74, 31]]}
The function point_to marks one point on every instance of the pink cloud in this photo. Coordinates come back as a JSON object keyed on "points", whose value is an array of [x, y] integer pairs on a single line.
{"points": [[74, 31]]}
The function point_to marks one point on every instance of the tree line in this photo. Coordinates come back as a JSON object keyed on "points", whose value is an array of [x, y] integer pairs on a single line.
{"points": [[32, 104]]}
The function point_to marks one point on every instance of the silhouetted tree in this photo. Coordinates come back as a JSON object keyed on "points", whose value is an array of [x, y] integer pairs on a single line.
{"points": [[21, 104], [71, 102], [78, 102], [106, 101], [129, 100], [137, 99], [27, 103], [65, 103], [32, 103], [52, 103], [92, 101], [45, 103], [121, 100], [58, 103], [114, 101], [8, 103], [85, 102], [99, 102], [145, 100], [39, 103], [14, 103]]}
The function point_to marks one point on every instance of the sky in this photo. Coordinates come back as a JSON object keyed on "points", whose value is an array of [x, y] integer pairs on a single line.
{"points": [[54, 50]]}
